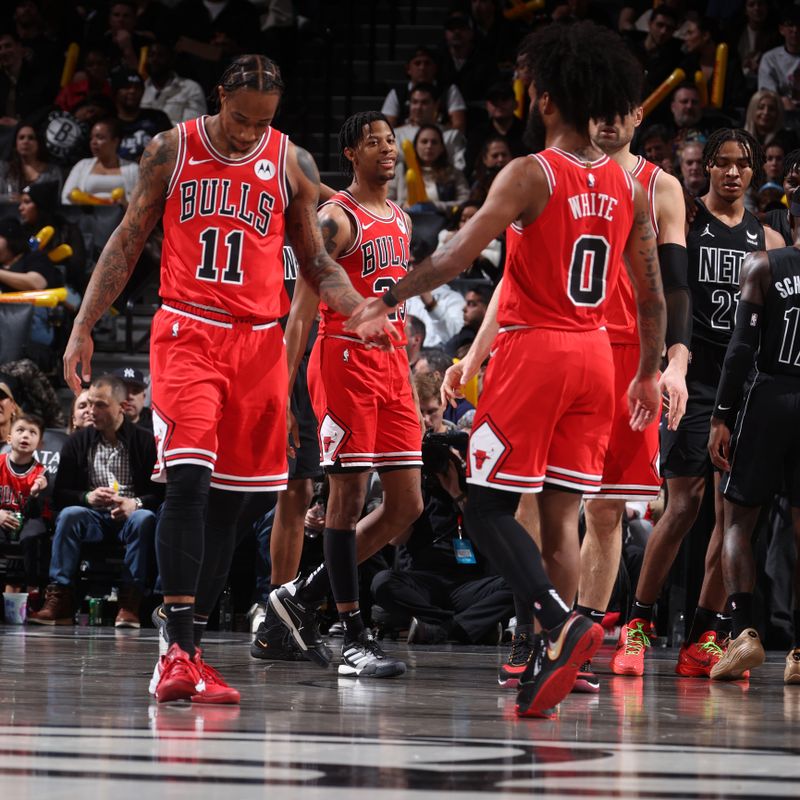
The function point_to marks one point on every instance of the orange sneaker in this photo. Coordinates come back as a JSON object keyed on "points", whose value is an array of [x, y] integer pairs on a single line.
{"points": [[178, 677], [212, 687], [629, 656], [696, 659]]}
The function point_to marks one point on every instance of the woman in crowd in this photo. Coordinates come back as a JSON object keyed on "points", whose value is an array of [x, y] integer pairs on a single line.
{"points": [[105, 171], [445, 185], [80, 415], [494, 155], [764, 120], [29, 163], [8, 408], [489, 264]]}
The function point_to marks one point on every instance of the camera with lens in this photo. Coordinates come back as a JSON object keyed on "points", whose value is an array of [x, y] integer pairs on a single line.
{"points": [[437, 453]]}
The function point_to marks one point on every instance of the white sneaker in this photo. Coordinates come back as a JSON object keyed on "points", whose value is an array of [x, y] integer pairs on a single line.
{"points": [[256, 615], [365, 659]]}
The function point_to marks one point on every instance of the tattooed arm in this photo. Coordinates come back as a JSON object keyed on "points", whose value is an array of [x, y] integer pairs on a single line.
{"points": [[641, 257], [121, 252]]}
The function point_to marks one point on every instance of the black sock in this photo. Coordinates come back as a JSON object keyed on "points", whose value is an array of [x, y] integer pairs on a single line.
{"points": [[523, 611], [353, 625], [641, 610], [550, 610], [180, 626], [797, 627], [741, 605], [339, 546], [199, 625], [703, 620], [592, 613], [722, 625]]}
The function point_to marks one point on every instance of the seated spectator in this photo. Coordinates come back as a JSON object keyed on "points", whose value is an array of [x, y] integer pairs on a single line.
{"points": [[445, 185], [656, 48], [488, 266], [29, 163], [23, 270], [774, 155], [135, 409], [435, 361], [80, 413], [767, 199], [31, 26], [462, 62], [439, 310], [8, 406], [692, 175], [103, 491], [22, 479], [38, 208], [493, 156], [495, 36], [779, 70], [764, 120], [476, 301], [656, 144], [422, 68], [752, 34], [119, 38], [501, 122], [444, 588], [91, 80], [105, 170], [688, 119], [415, 338], [164, 90], [779, 219], [424, 110], [137, 125]]}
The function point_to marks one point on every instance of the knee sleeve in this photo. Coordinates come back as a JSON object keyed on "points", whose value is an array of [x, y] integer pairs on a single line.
{"points": [[179, 532]]}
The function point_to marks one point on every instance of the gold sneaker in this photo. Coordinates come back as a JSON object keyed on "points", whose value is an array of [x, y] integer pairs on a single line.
{"points": [[743, 653], [792, 672]]}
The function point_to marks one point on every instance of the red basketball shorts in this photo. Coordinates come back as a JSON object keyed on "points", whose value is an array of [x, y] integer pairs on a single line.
{"points": [[219, 397], [363, 402], [630, 471], [544, 417]]}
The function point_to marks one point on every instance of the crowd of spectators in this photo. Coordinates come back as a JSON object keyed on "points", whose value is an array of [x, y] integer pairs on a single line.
{"points": [[460, 113]]}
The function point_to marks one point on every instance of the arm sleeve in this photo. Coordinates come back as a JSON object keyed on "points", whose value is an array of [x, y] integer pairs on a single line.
{"points": [[738, 360], [674, 263]]}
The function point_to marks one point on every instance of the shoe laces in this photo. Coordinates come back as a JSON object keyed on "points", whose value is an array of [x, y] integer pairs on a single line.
{"points": [[520, 649], [710, 646], [208, 673], [635, 640]]}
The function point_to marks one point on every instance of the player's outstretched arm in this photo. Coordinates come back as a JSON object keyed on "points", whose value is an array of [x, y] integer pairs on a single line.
{"points": [[121, 252], [674, 262], [754, 282], [460, 374], [519, 192], [641, 258]]}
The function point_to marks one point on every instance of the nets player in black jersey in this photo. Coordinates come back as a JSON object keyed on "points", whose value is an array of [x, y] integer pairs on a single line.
{"points": [[764, 452], [721, 234]]}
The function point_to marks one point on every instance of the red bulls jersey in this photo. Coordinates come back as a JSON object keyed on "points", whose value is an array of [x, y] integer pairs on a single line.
{"points": [[223, 226], [16, 489], [621, 306], [377, 259], [561, 268]]}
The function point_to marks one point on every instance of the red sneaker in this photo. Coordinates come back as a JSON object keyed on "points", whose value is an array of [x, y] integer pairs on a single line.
{"points": [[633, 639], [696, 659], [212, 687], [178, 676]]}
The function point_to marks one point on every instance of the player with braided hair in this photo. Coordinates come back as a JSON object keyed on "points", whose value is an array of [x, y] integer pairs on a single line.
{"points": [[718, 238]]}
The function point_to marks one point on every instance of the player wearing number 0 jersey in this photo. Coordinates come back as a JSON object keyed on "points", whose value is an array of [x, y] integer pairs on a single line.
{"points": [[224, 185], [543, 419]]}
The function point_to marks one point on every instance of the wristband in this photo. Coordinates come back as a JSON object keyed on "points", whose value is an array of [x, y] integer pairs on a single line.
{"points": [[389, 299]]}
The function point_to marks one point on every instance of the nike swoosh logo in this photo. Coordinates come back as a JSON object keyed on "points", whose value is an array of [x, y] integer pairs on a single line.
{"points": [[193, 161], [174, 609], [554, 648], [366, 227], [724, 408]]}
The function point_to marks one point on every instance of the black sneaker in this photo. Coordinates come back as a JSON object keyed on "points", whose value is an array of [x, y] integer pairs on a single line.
{"points": [[586, 681], [522, 646], [272, 642], [424, 633], [553, 667], [301, 620], [365, 659]]}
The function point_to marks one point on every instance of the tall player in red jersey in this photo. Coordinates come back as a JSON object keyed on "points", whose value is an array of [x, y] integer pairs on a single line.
{"points": [[362, 399], [226, 185], [544, 418]]}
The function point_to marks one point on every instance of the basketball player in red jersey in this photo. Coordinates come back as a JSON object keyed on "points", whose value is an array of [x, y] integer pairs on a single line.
{"points": [[543, 421], [226, 185], [362, 399]]}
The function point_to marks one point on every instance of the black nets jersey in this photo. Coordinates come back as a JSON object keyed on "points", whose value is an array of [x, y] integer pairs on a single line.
{"points": [[716, 252], [779, 350]]}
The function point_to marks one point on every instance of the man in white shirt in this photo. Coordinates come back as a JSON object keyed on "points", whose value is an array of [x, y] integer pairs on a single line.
{"points": [[779, 70], [179, 98]]}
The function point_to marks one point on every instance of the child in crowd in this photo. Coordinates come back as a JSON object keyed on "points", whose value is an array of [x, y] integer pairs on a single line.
{"points": [[22, 479]]}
